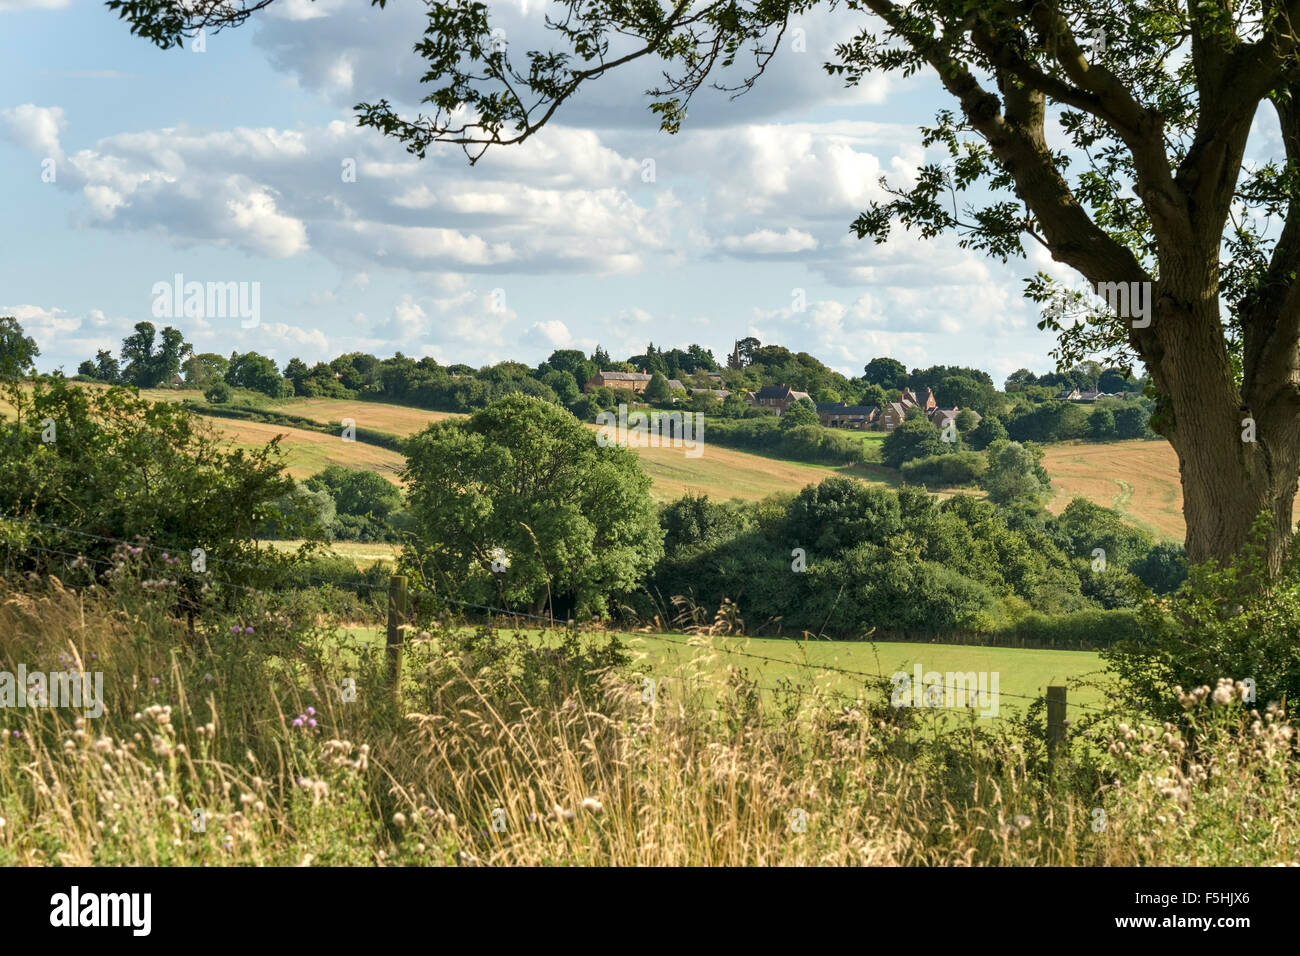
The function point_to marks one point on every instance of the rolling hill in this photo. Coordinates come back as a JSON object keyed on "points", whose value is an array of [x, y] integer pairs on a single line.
{"points": [[1137, 478]]}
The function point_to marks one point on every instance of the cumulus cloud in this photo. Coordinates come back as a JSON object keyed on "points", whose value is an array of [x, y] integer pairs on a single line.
{"points": [[35, 127], [765, 242]]}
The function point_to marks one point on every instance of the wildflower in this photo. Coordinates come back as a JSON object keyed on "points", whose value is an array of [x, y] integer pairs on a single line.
{"points": [[592, 805], [1022, 822], [311, 711], [248, 630], [562, 814], [297, 721], [311, 723], [399, 820]]}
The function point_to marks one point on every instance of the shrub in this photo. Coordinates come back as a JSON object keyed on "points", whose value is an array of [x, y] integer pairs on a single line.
{"points": [[218, 393], [944, 471], [1091, 628], [1223, 622]]}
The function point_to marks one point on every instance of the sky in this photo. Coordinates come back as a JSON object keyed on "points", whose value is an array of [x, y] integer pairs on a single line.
{"points": [[234, 164]]}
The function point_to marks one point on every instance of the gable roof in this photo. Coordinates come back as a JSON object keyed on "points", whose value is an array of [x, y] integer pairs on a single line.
{"points": [[624, 376]]}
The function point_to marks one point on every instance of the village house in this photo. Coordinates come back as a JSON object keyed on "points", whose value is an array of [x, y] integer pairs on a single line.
{"points": [[634, 381], [1074, 395], [895, 413], [779, 397], [840, 415], [942, 417]]}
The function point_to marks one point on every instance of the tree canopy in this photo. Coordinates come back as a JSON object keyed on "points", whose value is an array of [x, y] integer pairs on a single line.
{"points": [[519, 503]]}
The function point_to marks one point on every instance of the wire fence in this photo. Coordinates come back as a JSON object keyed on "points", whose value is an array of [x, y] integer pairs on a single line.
{"points": [[684, 639]]}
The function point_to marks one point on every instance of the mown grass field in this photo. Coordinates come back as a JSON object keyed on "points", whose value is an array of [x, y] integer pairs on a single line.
{"points": [[1023, 673], [362, 553], [1137, 478], [307, 453]]}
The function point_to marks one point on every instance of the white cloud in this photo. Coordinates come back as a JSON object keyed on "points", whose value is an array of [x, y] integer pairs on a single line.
{"points": [[768, 242], [7, 6], [553, 334], [36, 127]]}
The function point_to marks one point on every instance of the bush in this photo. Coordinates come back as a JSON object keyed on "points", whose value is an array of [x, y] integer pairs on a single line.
{"points": [[1091, 628], [1163, 569], [218, 393], [1224, 622], [946, 471]]}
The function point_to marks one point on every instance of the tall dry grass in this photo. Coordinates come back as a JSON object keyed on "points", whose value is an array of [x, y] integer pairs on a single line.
{"points": [[505, 753]]}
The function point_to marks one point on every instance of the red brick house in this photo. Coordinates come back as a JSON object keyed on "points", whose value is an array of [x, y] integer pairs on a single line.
{"points": [[779, 397]]}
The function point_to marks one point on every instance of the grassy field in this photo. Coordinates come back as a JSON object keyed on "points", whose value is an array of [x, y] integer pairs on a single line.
{"points": [[1137, 478], [307, 453], [1022, 672], [363, 553]]}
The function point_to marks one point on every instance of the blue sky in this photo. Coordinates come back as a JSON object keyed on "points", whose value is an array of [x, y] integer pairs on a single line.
{"points": [[225, 166]]}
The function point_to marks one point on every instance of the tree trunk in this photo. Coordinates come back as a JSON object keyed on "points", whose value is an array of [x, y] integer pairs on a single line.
{"points": [[1228, 479]]}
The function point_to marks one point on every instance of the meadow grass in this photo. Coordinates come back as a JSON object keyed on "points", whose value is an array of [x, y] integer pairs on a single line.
{"points": [[500, 752], [825, 665], [362, 553]]}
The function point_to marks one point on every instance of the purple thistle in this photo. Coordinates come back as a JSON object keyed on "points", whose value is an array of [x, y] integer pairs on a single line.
{"points": [[311, 711], [312, 722], [297, 721]]}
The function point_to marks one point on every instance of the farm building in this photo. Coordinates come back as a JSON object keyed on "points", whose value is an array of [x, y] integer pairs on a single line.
{"points": [[635, 381]]}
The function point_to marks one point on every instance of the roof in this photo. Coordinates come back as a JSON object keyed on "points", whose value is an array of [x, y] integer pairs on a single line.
{"points": [[774, 391], [839, 408], [676, 385], [625, 376]]}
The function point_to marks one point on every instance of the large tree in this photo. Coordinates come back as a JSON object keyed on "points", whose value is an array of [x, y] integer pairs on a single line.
{"points": [[18, 352], [519, 503], [1154, 102]]}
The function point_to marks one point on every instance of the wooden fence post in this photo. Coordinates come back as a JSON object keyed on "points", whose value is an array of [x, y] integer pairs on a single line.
{"points": [[1055, 718], [398, 609]]}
